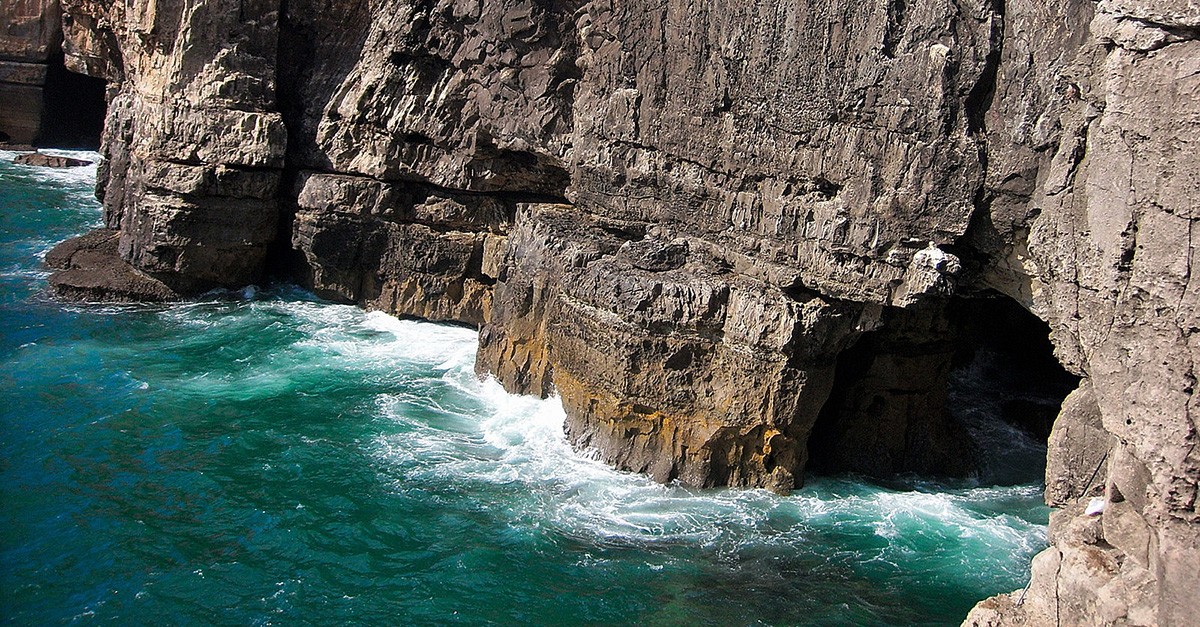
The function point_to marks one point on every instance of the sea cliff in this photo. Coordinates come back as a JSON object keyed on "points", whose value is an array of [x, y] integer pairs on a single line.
{"points": [[712, 229]]}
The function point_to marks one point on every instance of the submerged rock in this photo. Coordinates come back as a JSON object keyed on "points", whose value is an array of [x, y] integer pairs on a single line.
{"points": [[49, 161]]}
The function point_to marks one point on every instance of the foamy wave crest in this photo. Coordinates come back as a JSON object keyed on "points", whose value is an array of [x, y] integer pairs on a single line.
{"points": [[438, 431], [73, 178], [479, 435], [320, 346], [42, 200]]}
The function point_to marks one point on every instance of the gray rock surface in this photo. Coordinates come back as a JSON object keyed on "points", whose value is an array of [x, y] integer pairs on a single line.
{"points": [[88, 268], [681, 217]]}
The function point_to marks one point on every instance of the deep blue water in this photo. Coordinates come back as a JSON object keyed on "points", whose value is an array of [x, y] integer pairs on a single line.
{"points": [[262, 457]]}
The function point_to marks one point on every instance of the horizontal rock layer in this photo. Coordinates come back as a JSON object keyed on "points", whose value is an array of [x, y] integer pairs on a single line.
{"points": [[33, 32], [714, 231]]}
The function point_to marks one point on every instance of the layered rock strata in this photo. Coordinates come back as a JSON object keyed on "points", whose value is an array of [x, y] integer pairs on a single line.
{"points": [[33, 30], [714, 230], [193, 143]]}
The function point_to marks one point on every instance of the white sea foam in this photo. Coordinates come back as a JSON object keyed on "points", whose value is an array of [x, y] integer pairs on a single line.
{"points": [[79, 185], [329, 343], [443, 429], [72, 178], [518, 442]]}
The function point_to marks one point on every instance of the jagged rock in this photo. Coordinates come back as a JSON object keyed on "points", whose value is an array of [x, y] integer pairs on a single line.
{"points": [[1078, 450], [49, 161], [688, 373], [655, 255], [679, 216], [1081, 580], [193, 144]]}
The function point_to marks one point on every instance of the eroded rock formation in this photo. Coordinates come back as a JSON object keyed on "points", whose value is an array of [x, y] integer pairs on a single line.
{"points": [[41, 102], [43, 160], [33, 29], [685, 219]]}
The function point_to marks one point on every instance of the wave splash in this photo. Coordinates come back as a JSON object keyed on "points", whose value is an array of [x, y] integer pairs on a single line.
{"points": [[463, 433], [267, 432], [84, 176], [443, 430]]}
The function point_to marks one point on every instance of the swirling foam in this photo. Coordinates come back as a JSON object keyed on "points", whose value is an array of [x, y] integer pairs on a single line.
{"points": [[481, 435], [82, 176]]}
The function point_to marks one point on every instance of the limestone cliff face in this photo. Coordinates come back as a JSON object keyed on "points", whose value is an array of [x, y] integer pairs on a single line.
{"points": [[193, 142], [712, 230], [1105, 168], [32, 31]]}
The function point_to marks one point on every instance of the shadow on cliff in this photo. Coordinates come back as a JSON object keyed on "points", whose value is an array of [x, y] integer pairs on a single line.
{"points": [[305, 75], [966, 390], [73, 108]]}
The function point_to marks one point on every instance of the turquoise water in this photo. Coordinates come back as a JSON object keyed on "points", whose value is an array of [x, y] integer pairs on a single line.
{"points": [[262, 457]]}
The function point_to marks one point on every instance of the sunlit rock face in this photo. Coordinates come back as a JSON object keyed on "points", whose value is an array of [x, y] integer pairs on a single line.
{"points": [[681, 218]]}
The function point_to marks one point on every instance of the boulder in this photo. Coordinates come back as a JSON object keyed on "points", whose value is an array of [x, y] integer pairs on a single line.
{"points": [[44, 160]]}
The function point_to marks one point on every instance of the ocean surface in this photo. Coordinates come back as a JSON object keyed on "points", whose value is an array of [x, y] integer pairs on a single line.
{"points": [[262, 457]]}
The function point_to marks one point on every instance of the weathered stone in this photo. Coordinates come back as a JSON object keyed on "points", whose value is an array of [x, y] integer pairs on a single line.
{"points": [[193, 145], [678, 217], [49, 161], [399, 247], [691, 373], [1077, 455], [88, 268], [22, 73]]}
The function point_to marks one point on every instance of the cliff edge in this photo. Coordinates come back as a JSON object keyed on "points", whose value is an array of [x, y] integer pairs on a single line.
{"points": [[683, 219]]}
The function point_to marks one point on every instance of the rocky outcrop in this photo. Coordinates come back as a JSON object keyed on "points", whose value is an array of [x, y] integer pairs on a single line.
{"points": [[43, 160], [88, 268], [668, 361], [717, 230], [193, 143], [714, 258], [1108, 263]]}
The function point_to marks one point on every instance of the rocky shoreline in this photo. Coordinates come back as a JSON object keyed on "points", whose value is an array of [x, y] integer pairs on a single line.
{"points": [[713, 231]]}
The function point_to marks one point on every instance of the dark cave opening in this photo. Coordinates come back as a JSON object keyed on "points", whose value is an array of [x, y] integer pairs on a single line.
{"points": [[969, 388], [73, 108], [1006, 388]]}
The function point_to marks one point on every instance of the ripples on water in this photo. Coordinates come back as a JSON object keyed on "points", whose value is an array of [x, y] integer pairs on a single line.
{"points": [[260, 457]]}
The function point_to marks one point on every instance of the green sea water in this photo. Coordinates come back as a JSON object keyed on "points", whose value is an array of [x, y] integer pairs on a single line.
{"points": [[262, 457]]}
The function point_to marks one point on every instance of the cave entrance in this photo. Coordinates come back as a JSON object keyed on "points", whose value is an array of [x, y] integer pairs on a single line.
{"points": [[73, 108], [965, 388]]}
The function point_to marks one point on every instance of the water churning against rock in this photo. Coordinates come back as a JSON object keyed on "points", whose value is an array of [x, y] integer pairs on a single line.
{"points": [[261, 457]]}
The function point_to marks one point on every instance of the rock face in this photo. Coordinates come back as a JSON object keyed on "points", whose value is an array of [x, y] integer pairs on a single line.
{"points": [[88, 268], [41, 103], [193, 144], [728, 235], [33, 29]]}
